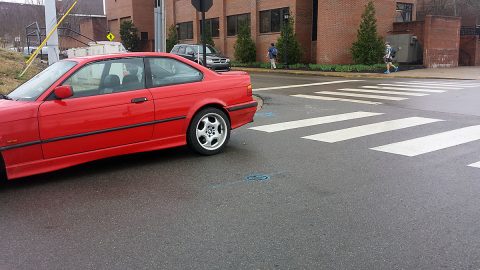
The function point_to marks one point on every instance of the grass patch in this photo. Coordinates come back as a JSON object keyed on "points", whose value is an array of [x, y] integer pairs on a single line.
{"points": [[11, 65], [317, 67]]}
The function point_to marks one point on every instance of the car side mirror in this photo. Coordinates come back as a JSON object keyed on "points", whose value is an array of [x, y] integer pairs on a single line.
{"points": [[191, 53], [63, 92]]}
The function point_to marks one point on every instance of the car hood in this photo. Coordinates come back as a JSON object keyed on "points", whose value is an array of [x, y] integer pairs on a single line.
{"points": [[17, 110]]}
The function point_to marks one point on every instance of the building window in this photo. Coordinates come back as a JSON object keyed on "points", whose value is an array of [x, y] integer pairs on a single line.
{"points": [[213, 25], [404, 12], [143, 35], [185, 30], [272, 20], [234, 22]]}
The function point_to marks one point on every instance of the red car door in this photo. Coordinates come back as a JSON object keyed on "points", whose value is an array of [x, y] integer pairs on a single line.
{"points": [[175, 87], [110, 107]]}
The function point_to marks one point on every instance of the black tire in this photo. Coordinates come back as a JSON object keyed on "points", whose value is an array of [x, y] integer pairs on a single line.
{"points": [[209, 132]]}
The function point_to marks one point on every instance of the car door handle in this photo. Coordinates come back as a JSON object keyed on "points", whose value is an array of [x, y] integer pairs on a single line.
{"points": [[139, 100]]}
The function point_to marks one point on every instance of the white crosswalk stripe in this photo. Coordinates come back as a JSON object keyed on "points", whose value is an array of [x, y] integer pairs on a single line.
{"points": [[338, 99], [360, 95], [413, 87], [365, 130], [409, 148], [304, 85], [382, 92], [432, 143], [475, 165], [405, 89], [313, 121], [374, 94], [459, 84]]}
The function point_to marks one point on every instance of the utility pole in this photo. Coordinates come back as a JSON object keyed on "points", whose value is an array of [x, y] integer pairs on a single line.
{"points": [[50, 23], [160, 27]]}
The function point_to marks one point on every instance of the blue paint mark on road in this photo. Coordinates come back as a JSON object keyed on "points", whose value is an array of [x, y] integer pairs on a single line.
{"points": [[251, 178], [257, 178], [265, 114]]}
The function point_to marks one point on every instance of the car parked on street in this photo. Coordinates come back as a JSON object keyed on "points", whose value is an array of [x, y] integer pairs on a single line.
{"points": [[215, 60], [83, 109]]}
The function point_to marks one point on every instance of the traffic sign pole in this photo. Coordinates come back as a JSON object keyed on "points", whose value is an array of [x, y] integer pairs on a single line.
{"points": [[204, 37], [203, 6]]}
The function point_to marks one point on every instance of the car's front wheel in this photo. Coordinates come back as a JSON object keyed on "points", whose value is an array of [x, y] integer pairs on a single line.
{"points": [[209, 131]]}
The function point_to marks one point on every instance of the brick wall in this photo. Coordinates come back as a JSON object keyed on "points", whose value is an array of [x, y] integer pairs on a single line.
{"points": [[414, 28], [115, 10], [338, 22], [441, 41]]}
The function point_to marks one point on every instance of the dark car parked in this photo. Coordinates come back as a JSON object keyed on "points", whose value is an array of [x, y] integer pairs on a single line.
{"points": [[215, 60]]}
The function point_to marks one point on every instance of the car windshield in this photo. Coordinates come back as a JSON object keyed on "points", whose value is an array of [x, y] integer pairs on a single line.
{"points": [[210, 49], [33, 88]]}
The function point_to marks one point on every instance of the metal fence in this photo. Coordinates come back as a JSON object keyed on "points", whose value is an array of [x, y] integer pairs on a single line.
{"points": [[470, 31]]}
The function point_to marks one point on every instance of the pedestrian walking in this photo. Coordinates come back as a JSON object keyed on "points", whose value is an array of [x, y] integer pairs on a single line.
{"points": [[272, 55], [388, 58]]}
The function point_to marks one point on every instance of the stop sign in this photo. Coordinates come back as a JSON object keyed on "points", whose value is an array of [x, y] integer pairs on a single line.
{"points": [[202, 5]]}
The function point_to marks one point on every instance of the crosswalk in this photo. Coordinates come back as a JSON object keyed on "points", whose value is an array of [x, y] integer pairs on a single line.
{"points": [[381, 92], [408, 148]]}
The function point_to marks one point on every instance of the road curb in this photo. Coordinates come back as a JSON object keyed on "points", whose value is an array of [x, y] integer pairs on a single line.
{"points": [[343, 74]]}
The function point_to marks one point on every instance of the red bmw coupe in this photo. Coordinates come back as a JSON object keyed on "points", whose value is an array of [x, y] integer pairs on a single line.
{"points": [[84, 109]]}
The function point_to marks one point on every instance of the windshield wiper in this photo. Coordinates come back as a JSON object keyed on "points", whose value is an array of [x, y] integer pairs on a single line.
{"points": [[2, 96]]}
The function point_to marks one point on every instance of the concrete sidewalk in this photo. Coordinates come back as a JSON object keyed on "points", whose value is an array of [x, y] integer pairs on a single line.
{"points": [[457, 73]]}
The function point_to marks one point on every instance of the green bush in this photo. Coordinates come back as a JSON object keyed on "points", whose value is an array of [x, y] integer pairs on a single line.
{"points": [[288, 41], [369, 47], [245, 49], [129, 36], [315, 67], [172, 38]]}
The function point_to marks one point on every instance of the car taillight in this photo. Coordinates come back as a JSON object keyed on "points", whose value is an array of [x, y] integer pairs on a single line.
{"points": [[249, 90]]}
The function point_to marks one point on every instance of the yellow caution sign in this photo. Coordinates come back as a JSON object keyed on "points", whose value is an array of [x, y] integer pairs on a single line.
{"points": [[110, 36]]}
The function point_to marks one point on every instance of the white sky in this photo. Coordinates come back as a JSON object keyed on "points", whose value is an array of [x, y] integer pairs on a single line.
{"points": [[15, 1], [23, 1]]}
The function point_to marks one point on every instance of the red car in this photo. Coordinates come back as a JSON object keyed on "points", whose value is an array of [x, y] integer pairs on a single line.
{"points": [[89, 108]]}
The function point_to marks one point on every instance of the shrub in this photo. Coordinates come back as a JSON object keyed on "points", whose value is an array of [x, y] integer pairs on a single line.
{"points": [[369, 48], [245, 50], [288, 41], [129, 36], [172, 38]]}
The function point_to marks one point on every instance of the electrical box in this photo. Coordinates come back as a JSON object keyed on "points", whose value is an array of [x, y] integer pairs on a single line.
{"points": [[408, 48]]}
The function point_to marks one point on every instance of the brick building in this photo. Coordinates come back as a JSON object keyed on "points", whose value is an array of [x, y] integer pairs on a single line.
{"points": [[325, 28], [469, 14], [138, 11]]}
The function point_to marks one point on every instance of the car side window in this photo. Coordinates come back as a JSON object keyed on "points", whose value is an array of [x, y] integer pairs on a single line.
{"points": [[181, 50], [107, 77], [169, 71], [189, 50], [174, 50], [86, 81]]}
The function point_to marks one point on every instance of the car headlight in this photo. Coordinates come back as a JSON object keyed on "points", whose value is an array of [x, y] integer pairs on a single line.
{"points": [[209, 61], [228, 60]]}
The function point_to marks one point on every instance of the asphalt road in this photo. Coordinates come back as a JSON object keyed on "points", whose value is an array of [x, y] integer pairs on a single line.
{"points": [[350, 199]]}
